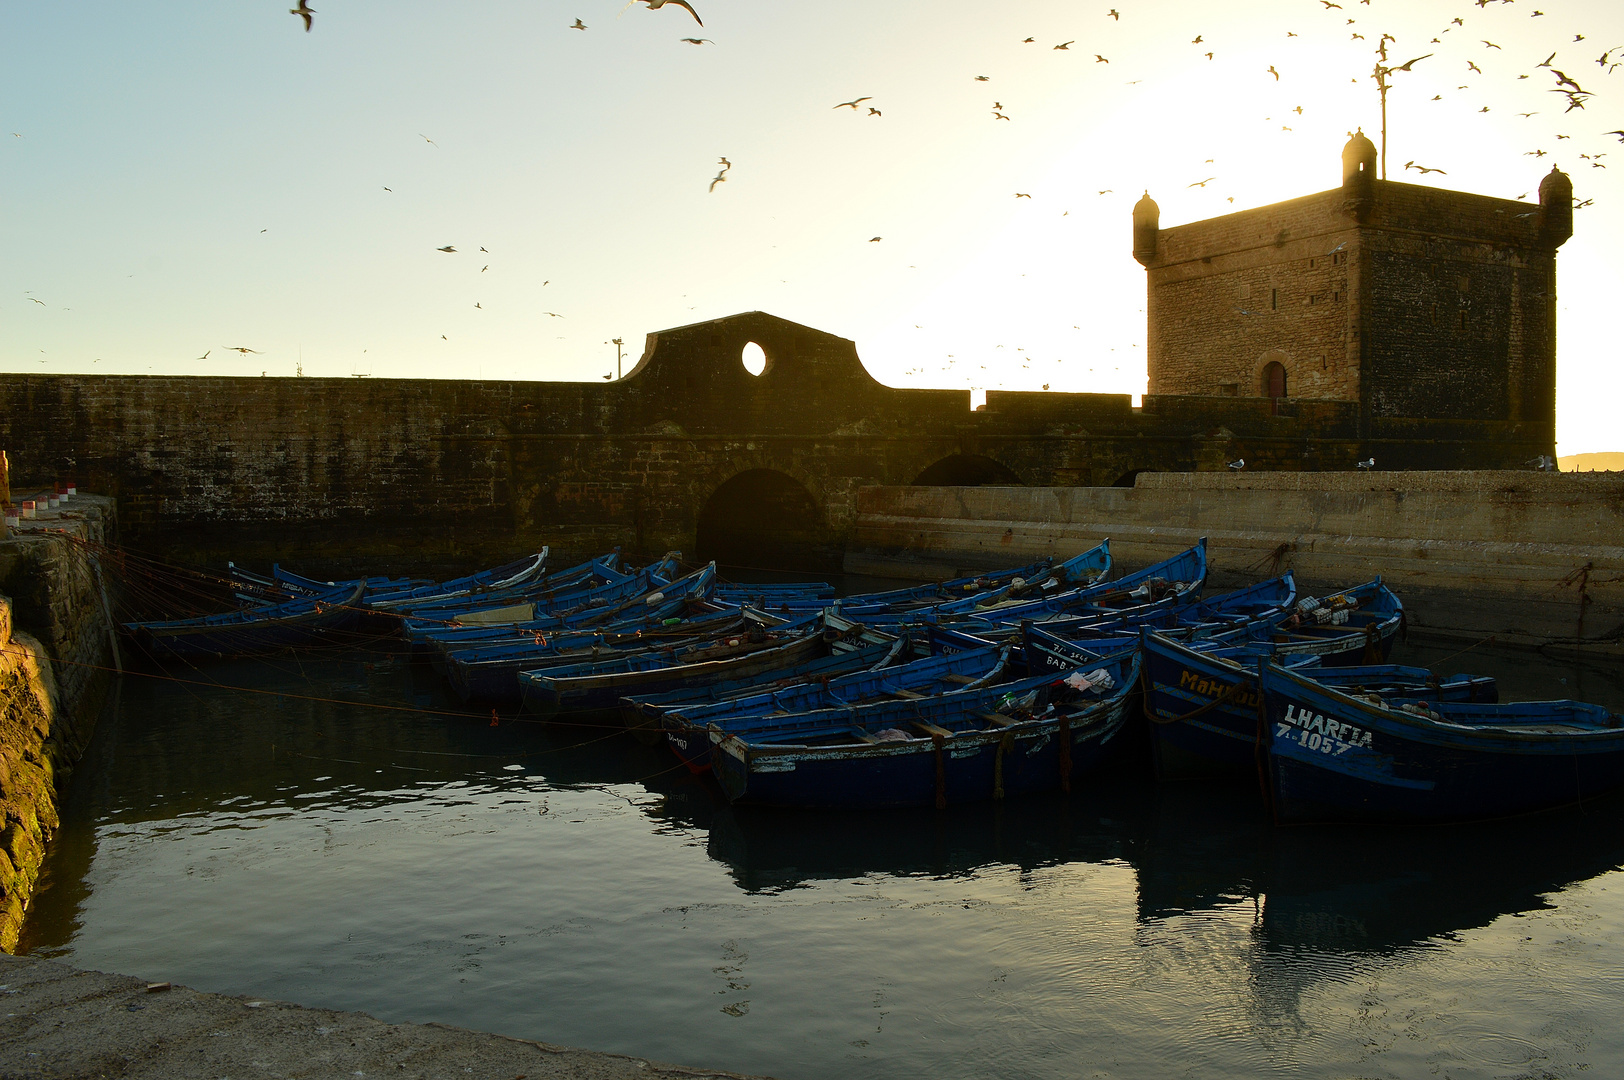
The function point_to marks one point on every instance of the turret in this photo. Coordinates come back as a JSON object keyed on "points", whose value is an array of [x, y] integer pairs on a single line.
{"points": [[1147, 220], [1555, 208], [1358, 175]]}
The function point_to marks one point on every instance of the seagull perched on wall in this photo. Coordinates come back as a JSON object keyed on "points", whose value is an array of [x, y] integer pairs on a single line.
{"points": [[1368, 463], [1238, 464], [1544, 463]]}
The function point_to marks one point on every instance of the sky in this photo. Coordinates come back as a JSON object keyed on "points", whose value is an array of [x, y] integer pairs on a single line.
{"points": [[182, 180]]}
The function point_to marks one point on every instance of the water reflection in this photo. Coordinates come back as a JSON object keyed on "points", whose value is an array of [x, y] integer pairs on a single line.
{"points": [[1080, 914]]}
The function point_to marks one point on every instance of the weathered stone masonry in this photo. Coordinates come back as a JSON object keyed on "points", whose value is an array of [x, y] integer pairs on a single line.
{"points": [[55, 661], [1407, 300], [346, 473]]}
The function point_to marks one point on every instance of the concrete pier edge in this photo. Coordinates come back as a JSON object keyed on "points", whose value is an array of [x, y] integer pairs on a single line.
{"points": [[58, 1021]]}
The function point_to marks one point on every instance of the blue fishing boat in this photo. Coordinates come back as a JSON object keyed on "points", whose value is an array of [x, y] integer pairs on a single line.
{"points": [[1202, 698], [968, 745], [1355, 626], [1171, 581], [251, 631], [491, 673], [1333, 756], [599, 686], [1081, 569], [686, 723], [591, 601]]}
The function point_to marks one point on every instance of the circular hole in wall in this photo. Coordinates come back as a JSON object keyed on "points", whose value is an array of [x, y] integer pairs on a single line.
{"points": [[755, 360]]}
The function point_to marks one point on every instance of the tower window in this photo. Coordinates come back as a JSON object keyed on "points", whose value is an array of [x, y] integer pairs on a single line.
{"points": [[1461, 325], [1339, 258], [1274, 299]]}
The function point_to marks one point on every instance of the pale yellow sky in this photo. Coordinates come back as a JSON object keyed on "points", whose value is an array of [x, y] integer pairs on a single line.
{"points": [[194, 177]]}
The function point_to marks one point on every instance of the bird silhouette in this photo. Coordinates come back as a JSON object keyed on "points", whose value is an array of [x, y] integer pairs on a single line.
{"points": [[1474, 67], [243, 349], [872, 111], [698, 41], [1113, 14], [552, 314], [577, 25], [655, 5], [1196, 40], [717, 179], [1422, 169], [1490, 44], [1098, 59], [1202, 183], [996, 115], [1275, 73], [1066, 44], [426, 139], [876, 240], [1238, 464], [852, 104], [983, 78], [1368, 463], [1022, 195], [205, 356], [304, 11], [448, 249], [41, 303]]}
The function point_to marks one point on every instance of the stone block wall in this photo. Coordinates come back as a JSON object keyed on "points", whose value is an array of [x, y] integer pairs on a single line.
{"points": [[56, 662], [1415, 302]]}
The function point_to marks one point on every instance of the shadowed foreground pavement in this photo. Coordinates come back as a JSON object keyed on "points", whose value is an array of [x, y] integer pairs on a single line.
{"points": [[57, 1021]]}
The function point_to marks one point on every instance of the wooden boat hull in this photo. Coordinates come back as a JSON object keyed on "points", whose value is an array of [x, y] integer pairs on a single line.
{"points": [[1203, 708], [963, 766], [252, 631], [1333, 757]]}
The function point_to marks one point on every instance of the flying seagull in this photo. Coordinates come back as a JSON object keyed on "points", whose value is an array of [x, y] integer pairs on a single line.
{"points": [[304, 11], [655, 5], [699, 41], [240, 349], [448, 248], [205, 356], [852, 105], [577, 25], [719, 178], [1066, 44]]}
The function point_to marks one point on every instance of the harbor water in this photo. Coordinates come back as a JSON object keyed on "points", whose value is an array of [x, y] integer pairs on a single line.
{"points": [[340, 831]]}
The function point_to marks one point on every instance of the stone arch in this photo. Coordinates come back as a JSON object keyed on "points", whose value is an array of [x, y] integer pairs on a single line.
{"points": [[765, 519], [968, 470], [1271, 375], [1129, 478]]}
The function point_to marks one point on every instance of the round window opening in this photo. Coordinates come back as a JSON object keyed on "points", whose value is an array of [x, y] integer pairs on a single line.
{"points": [[755, 360]]}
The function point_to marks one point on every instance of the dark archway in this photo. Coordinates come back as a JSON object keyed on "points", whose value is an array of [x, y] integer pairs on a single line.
{"points": [[1129, 478], [968, 470], [767, 520]]}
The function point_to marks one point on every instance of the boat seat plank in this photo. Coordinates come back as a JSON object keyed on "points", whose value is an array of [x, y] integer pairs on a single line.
{"points": [[996, 719], [932, 729]]}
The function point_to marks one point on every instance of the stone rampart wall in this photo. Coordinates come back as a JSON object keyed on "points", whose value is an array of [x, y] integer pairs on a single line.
{"points": [[55, 666], [1528, 556]]}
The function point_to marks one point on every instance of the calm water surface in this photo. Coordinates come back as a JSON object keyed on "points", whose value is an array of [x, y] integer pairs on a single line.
{"points": [[367, 844]]}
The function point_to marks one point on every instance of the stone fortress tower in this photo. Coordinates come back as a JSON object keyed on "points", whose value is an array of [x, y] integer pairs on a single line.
{"points": [[1411, 301]]}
